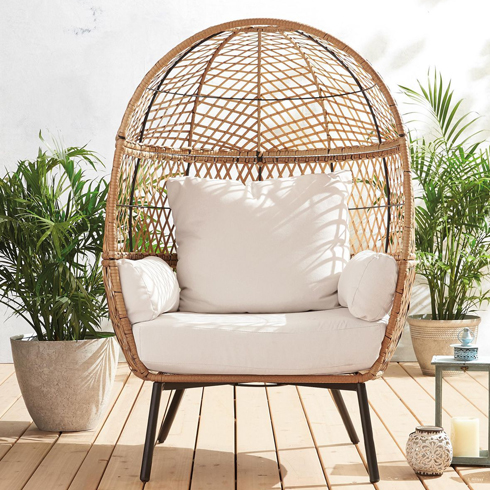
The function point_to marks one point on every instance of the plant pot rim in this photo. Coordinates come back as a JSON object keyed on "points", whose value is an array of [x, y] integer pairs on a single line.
{"points": [[33, 338], [468, 320]]}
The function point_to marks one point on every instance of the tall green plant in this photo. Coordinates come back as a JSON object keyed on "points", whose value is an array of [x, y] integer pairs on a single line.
{"points": [[452, 215], [51, 232]]}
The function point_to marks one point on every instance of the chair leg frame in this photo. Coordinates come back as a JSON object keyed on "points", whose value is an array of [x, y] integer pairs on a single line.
{"points": [[367, 430], [359, 388], [339, 401], [156, 395], [170, 416]]}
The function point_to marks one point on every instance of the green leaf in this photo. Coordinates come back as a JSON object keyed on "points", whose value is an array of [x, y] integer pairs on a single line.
{"points": [[51, 232]]}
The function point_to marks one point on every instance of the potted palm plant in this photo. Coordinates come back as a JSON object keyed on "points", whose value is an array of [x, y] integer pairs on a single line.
{"points": [[51, 231], [452, 176]]}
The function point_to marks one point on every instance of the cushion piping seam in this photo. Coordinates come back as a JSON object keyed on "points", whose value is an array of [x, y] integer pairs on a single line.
{"points": [[360, 281]]}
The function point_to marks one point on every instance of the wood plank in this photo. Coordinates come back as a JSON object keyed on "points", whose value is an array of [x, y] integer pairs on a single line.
{"points": [[472, 390], [14, 417], [454, 404], [9, 393], [297, 454], [6, 370], [403, 400], [402, 420], [257, 466], [172, 461], [123, 469], [395, 472], [14, 422], [17, 466], [214, 460], [340, 458], [418, 400], [60, 465], [91, 471], [480, 376]]}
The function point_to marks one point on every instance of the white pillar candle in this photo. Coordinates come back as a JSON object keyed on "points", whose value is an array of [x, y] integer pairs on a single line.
{"points": [[465, 436]]}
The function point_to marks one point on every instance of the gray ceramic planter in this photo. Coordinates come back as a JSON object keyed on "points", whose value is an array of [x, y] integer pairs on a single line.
{"points": [[66, 385]]}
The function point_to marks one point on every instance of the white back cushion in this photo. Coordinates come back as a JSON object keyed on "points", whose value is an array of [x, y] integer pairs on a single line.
{"points": [[367, 285], [149, 288], [274, 246]]}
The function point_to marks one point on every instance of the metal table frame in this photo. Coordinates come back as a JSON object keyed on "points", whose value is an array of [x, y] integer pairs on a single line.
{"points": [[448, 363]]}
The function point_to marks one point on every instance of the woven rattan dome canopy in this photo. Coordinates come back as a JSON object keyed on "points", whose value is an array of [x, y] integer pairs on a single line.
{"points": [[252, 100], [263, 88]]}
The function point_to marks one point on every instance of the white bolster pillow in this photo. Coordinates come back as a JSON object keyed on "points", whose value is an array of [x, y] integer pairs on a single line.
{"points": [[367, 285], [149, 288]]}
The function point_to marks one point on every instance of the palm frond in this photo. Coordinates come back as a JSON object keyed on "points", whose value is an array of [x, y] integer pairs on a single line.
{"points": [[51, 233], [453, 209]]}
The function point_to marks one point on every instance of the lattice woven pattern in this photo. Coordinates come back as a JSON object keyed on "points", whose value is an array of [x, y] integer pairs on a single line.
{"points": [[252, 100]]}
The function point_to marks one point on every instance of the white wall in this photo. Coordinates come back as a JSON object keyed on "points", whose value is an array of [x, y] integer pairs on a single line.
{"points": [[71, 66]]}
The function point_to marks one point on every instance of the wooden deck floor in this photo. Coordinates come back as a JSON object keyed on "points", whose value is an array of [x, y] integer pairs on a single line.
{"points": [[244, 438]]}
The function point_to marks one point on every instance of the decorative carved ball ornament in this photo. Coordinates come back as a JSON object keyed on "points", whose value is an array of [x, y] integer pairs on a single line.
{"points": [[429, 451]]}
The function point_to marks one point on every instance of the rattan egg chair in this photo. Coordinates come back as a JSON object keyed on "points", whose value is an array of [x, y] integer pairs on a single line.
{"points": [[250, 100]]}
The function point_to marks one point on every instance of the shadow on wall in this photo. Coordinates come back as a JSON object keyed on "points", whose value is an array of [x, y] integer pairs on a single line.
{"points": [[406, 55], [482, 71], [376, 49], [481, 74]]}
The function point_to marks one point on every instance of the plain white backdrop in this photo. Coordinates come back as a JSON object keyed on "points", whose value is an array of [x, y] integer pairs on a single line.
{"points": [[69, 67]]}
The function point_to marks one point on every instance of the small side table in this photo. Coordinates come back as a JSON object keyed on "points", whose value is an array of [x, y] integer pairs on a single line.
{"points": [[448, 363]]}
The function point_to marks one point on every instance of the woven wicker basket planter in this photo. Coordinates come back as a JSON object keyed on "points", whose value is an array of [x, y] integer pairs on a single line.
{"points": [[434, 337], [251, 100]]}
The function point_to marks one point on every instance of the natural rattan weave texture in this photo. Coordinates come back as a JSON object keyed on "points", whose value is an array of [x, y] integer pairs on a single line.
{"points": [[251, 100]]}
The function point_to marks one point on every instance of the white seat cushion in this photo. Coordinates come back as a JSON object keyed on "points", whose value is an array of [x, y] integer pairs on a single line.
{"points": [[315, 342], [273, 246], [367, 285]]}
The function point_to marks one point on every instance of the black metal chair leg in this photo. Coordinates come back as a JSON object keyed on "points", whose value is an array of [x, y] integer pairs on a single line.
{"points": [[339, 401], [170, 416], [367, 430], [151, 429]]}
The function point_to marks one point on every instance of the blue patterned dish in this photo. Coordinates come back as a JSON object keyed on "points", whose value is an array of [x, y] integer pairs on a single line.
{"points": [[465, 353]]}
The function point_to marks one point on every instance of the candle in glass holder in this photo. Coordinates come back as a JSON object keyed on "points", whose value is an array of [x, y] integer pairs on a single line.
{"points": [[465, 436]]}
